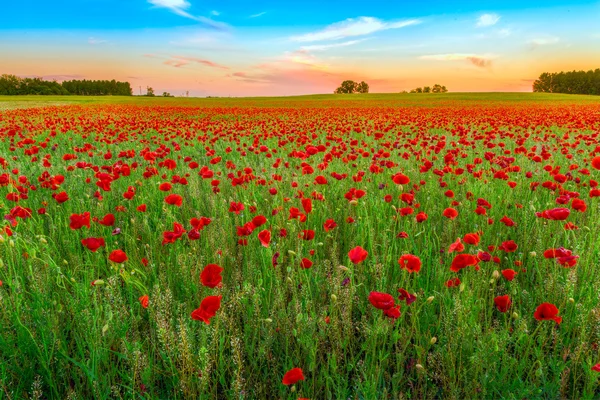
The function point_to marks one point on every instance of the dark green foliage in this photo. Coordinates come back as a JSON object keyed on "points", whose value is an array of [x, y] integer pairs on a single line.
{"points": [[349, 87], [573, 82], [14, 85], [437, 88]]}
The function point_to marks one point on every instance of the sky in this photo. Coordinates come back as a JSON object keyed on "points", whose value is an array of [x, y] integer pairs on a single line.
{"points": [[273, 48]]}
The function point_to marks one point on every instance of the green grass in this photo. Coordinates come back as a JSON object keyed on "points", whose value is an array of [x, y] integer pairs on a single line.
{"points": [[392, 99], [61, 337]]}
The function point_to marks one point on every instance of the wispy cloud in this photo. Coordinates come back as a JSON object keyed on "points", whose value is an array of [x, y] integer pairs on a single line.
{"points": [[215, 13], [544, 41], [179, 7], [260, 14], [487, 20], [93, 41], [180, 61], [323, 47], [353, 27], [480, 61]]}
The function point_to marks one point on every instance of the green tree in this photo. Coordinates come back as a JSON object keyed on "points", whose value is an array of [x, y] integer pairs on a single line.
{"points": [[347, 87], [362, 87], [426, 89], [149, 91]]}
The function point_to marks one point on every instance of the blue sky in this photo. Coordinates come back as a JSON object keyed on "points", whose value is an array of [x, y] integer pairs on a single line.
{"points": [[279, 48]]}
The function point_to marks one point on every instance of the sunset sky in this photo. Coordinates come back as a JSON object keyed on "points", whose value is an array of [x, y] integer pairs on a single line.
{"points": [[233, 48]]}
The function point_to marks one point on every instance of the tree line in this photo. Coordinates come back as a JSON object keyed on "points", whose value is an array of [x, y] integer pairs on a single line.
{"points": [[572, 82], [429, 89], [349, 87], [14, 85]]}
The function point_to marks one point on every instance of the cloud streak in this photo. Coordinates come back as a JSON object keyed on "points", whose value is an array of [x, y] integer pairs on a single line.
{"points": [[353, 27], [180, 61], [260, 14], [179, 7], [487, 20], [323, 47], [480, 61], [544, 41]]}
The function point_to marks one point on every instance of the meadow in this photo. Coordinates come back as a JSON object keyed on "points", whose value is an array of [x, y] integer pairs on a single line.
{"points": [[322, 247]]}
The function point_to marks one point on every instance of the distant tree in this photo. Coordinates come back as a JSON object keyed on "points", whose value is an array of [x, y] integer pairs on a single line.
{"points": [[438, 89], [427, 89], [167, 94], [362, 87], [573, 82], [149, 91], [347, 87]]}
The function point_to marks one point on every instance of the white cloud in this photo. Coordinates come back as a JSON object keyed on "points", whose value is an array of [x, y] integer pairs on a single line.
{"points": [[543, 41], [481, 61], [93, 40], [487, 20], [179, 6], [215, 13], [353, 27], [260, 14], [323, 47]]}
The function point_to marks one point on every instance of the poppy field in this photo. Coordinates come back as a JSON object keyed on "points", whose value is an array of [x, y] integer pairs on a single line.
{"points": [[255, 249]]}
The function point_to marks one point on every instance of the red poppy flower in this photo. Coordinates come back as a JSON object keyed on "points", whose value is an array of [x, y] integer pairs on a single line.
{"points": [[265, 237], [236, 208], [329, 225], [393, 312], [93, 244], [211, 276], [358, 255], [404, 295], [118, 256], [450, 213], [410, 262], [509, 246], [555, 214], [507, 221], [144, 301], [509, 274], [596, 162], [174, 200], [400, 179], [382, 301], [547, 312], [578, 205], [60, 197], [307, 234], [78, 221], [456, 246], [307, 205], [306, 263], [208, 309], [502, 303], [292, 376], [472, 239], [259, 220], [108, 220], [461, 261], [555, 253], [421, 217], [452, 282], [596, 368]]}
